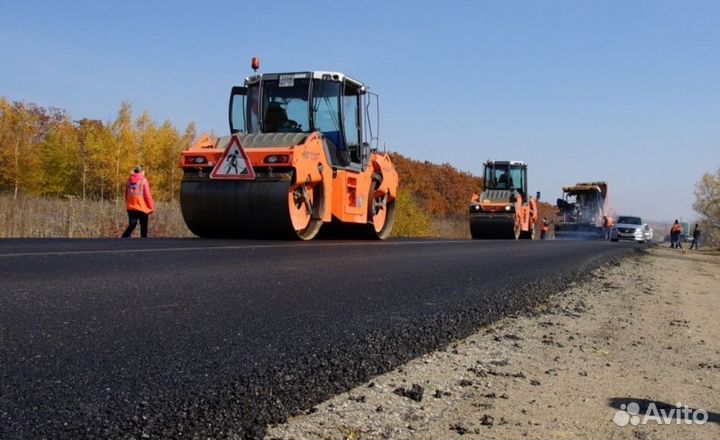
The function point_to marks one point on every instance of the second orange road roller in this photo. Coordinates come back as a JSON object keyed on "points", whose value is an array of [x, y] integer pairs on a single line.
{"points": [[302, 153], [504, 209]]}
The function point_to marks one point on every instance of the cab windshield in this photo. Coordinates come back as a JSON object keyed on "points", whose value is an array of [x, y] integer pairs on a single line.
{"points": [[290, 104], [282, 106], [285, 106], [503, 176], [629, 220], [277, 108]]}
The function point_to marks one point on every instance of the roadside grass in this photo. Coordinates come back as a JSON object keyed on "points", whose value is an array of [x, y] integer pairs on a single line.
{"points": [[71, 217], [450, 228]]}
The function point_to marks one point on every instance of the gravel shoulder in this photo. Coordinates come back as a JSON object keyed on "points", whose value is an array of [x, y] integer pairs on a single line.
{"points": [[642, 330]]}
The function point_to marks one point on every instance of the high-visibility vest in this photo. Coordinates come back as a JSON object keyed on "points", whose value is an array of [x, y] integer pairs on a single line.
{"points": [[135, 196], [134, 189]]}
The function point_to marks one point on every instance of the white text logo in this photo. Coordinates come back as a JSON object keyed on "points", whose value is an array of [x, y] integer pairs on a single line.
{"points": [[680, 414]]}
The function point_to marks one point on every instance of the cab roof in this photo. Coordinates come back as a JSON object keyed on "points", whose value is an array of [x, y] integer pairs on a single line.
{"points": [[505, 162], [586, 186], [318, 74]]}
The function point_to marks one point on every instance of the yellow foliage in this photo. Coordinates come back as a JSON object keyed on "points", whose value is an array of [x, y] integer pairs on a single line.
{"points": [[441, 190], [45, 153], [410, 219]]}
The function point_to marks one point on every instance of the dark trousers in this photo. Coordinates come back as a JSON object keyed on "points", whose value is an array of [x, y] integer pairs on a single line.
{"points": [[694, 242], [133, 217], [675, 241]]}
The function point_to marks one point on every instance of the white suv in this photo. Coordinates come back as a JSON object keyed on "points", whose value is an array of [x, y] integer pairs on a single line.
{"points": [[630, 228]]}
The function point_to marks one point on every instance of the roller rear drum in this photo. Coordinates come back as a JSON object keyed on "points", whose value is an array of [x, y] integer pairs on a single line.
{"points": [[250, 209], [492, 227]]}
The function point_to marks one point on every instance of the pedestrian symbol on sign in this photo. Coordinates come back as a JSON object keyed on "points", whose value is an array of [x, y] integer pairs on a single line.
{"points": [[234, 163]]}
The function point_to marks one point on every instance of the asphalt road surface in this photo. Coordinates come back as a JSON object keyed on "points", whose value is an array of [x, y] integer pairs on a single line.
{"points": [[200, 338]]}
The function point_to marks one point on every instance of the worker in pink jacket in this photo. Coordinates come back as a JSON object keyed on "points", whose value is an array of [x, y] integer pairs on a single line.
{"points": [[139, 202]]}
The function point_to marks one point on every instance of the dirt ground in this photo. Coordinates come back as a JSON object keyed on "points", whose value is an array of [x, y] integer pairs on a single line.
{"points": [[645, 330]]}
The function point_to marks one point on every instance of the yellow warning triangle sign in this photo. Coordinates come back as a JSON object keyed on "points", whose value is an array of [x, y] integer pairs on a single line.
{"points": [[234, 163]]}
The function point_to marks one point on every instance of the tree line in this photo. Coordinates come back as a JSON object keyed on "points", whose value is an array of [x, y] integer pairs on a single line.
{"points": [[44, 152], [440, 190]]}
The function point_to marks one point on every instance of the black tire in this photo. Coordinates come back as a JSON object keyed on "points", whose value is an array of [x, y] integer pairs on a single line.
{"points": [[386, 229]]}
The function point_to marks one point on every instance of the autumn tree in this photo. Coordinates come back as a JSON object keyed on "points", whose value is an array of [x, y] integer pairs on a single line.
{"points": [[123, 155], [442, 191], [94, 142], [61, 155], [44, 152], [169, 165], [23, 130], [410, 219], [707, 204], [6, 140]]}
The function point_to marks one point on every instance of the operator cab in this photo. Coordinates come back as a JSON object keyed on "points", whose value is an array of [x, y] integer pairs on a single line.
{"points": [[338, 106], [506, 175]]}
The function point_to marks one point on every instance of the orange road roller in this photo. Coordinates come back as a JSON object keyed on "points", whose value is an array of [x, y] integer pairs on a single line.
{"points": [[302, 156], [503, 209]]}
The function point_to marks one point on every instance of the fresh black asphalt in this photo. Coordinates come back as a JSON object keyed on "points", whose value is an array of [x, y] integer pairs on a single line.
{"points": [[201, 338]]}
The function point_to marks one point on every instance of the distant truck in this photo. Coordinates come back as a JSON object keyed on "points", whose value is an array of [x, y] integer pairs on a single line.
{"points": [[685, 235], [582, 210]]}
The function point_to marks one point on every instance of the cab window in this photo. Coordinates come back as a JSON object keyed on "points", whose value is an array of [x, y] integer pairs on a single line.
{"points": [[253, 108], [351, 122], [326, 110], [497, 177], [516, 177]]}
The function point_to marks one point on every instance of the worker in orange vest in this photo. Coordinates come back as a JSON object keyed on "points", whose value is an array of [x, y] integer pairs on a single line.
{"points": [[139, 202], [675, 232], [607, 225], [543, 228]]}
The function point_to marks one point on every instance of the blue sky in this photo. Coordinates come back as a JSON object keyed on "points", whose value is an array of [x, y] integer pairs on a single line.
{"points": [[623, 91]]}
